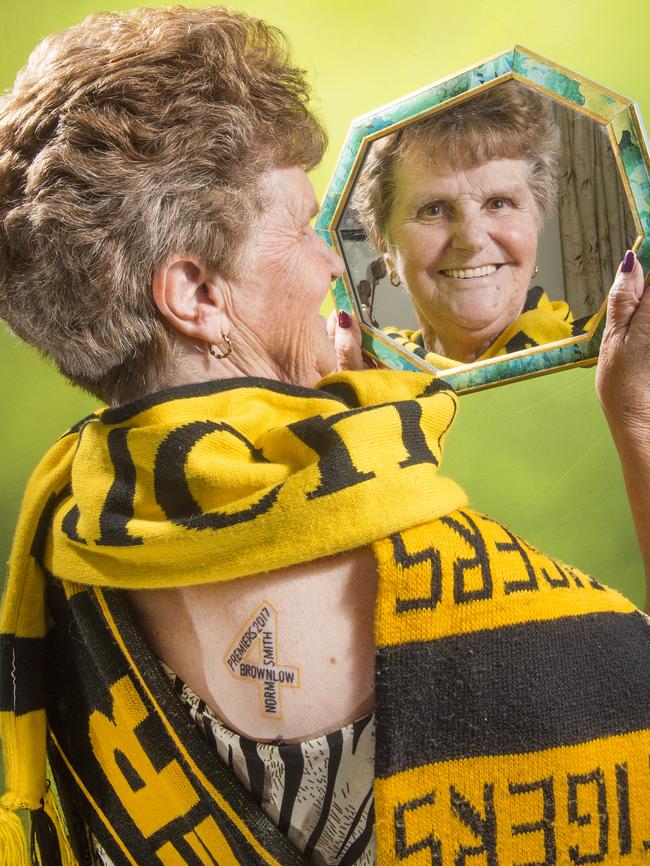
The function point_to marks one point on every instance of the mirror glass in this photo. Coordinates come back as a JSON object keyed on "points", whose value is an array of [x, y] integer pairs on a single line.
{"points": [[489, 227]]}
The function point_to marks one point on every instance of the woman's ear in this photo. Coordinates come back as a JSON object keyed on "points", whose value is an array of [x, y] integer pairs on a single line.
{"points": [[388, 259], [380, 242], [191, 298]]}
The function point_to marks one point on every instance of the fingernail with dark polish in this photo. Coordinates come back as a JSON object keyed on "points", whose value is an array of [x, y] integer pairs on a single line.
{"points": [[344, 319], [628, 262]]}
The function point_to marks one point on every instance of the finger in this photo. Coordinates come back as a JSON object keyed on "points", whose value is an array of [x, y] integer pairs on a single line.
{"points": [[331, 324], [347, 343], [624, 296]]}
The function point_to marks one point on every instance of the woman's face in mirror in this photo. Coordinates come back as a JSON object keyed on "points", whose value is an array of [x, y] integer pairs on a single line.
{"points": [[464, 243]]}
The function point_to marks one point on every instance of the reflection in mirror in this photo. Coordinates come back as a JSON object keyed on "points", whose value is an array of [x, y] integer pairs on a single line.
{"points": [[489, 227]]}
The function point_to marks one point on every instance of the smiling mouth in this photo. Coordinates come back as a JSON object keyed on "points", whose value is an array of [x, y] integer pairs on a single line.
{"points": [[468, 273]]}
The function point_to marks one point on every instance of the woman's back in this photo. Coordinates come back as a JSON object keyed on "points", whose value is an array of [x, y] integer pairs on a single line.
{"points": [[286, 655]]}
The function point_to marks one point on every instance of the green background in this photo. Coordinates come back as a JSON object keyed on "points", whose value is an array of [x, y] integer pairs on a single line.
{"points": [[537, 454]]}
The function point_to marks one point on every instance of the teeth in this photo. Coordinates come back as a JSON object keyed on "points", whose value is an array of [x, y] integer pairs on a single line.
{"points": [[466, 273]]}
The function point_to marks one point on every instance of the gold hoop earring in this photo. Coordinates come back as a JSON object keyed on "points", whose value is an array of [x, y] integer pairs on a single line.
{"points": [[225, 339], [394, 279], [536, 271]]}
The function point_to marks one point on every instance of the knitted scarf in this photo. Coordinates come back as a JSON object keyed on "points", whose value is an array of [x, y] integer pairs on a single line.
{"points": [[513, 706], [541, 321]]}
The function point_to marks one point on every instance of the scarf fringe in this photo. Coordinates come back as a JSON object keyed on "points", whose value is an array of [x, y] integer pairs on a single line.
{"points": [[49, 842], [13, 841]]}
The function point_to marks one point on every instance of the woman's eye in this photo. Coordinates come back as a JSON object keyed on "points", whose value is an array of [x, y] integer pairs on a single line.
{"points": [[434, 209], [499, 203]]}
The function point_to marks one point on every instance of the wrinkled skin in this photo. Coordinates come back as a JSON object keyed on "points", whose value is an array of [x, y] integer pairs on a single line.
{"points": [[271, 312]]}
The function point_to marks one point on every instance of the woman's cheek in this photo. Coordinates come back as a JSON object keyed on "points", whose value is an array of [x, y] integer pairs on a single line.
{"points": [[521, 235]]}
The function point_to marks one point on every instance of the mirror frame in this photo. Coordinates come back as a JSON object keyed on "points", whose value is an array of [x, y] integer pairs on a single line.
{"points": [[622, 120]]}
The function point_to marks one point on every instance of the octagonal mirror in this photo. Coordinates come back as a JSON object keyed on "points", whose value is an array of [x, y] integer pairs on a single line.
{"points": [[482, 220]]}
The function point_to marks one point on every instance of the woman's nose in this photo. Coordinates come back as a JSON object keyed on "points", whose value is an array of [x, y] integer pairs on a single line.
{"points": [[338, 266], [336, 263], [469, 232]]}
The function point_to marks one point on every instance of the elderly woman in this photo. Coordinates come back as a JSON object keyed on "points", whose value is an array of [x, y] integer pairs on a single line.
{"points": [[188, 625], [455, 204]]}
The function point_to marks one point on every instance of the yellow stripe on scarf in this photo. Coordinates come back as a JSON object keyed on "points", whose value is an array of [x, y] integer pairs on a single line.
{"points": [[209, 499], [578, 804], [480, 574]]}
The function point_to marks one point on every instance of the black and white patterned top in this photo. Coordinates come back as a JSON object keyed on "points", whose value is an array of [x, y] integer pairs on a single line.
{"points": [[319, 792]]}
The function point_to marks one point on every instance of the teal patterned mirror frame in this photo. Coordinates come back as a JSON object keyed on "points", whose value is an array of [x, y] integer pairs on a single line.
{"points": [[623, 122]]}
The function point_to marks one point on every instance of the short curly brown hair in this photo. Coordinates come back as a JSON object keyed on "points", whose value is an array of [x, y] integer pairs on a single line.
{"points": [[508, 121], [126, 139]]}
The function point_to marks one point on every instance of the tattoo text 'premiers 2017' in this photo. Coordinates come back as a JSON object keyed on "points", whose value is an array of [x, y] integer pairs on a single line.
{"points": [[253, 657]]}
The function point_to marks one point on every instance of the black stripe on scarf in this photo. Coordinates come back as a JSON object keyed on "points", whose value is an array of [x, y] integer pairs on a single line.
{"points": [[118, 507], [414, 346], [533, 297], [203, 389], [44, 521], [490, 689], [24, 690], [78, 427], [343, 391]]}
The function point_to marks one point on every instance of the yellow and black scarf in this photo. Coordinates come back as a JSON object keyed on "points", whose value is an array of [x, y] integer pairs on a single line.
{"points": [[540, 322], [513, 704]]}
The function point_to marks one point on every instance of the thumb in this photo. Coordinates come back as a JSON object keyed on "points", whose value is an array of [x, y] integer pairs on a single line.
{"points": [[331, 324], [625, 295], [347, 343]]}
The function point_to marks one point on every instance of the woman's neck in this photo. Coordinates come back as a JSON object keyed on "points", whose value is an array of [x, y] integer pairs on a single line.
{"points": [[460, 344], [465, 351], [193, 363]]}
